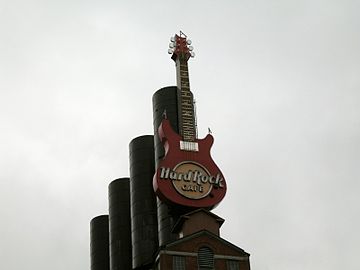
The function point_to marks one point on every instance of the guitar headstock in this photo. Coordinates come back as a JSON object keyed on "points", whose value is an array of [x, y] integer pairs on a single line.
{"points": [[180, 47]]}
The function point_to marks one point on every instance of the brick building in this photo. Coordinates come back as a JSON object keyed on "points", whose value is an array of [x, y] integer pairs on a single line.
{"points": [[200, 246]]}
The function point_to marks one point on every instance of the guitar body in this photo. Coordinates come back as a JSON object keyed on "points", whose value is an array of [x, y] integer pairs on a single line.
{"points": [[188, 177]]}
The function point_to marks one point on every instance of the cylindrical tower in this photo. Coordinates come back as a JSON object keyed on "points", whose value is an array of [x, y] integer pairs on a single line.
{"points": [[120, 224], [143, 202], [99, 243], [165, 102]]}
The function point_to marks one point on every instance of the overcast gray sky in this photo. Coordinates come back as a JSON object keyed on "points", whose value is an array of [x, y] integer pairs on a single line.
{"points": [[277, 82]]}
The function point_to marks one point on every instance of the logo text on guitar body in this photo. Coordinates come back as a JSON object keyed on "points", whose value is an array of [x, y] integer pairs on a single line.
{"points": [[191, 180]]}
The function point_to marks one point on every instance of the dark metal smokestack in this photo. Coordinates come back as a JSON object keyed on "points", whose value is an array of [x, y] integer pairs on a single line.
{"points": [[165, 100], [120, 224], [143, 202], [99, 243]]}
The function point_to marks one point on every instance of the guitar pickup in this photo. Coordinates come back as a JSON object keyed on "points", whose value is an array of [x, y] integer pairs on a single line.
{"points": [[189, 146]]}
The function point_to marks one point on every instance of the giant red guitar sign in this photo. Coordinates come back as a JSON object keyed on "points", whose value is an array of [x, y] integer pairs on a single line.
{"points": [[187, 175]]}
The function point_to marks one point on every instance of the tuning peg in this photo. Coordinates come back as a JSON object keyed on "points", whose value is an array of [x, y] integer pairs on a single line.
{"points": [[191, 48], [188, 42], [192, 54]]}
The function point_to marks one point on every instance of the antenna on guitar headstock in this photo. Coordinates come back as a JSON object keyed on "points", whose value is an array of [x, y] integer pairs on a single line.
{"points": [[182, 34]]}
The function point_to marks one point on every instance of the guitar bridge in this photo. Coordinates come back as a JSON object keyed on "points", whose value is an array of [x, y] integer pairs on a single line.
{"points": [[189, 146]]}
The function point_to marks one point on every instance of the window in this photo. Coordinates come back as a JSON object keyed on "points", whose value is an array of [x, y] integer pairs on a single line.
{"points": [[205, 258], [178, 263], [232, 265]]}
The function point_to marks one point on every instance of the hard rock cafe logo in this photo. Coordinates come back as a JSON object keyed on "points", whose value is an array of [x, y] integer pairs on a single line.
{"points": [[191, 179]]}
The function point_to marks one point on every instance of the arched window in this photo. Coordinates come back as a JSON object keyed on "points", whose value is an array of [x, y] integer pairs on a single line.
{"points": [[205, 258]]}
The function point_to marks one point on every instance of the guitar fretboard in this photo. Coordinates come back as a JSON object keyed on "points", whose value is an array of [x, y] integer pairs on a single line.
{"points": [[185, 103]]}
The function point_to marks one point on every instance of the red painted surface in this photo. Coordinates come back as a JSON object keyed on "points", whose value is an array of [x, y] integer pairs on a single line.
{"points": [[181, 48], [165, 190]]}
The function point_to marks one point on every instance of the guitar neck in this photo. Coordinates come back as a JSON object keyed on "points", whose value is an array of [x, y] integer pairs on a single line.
{"points": [[186, 113]]}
